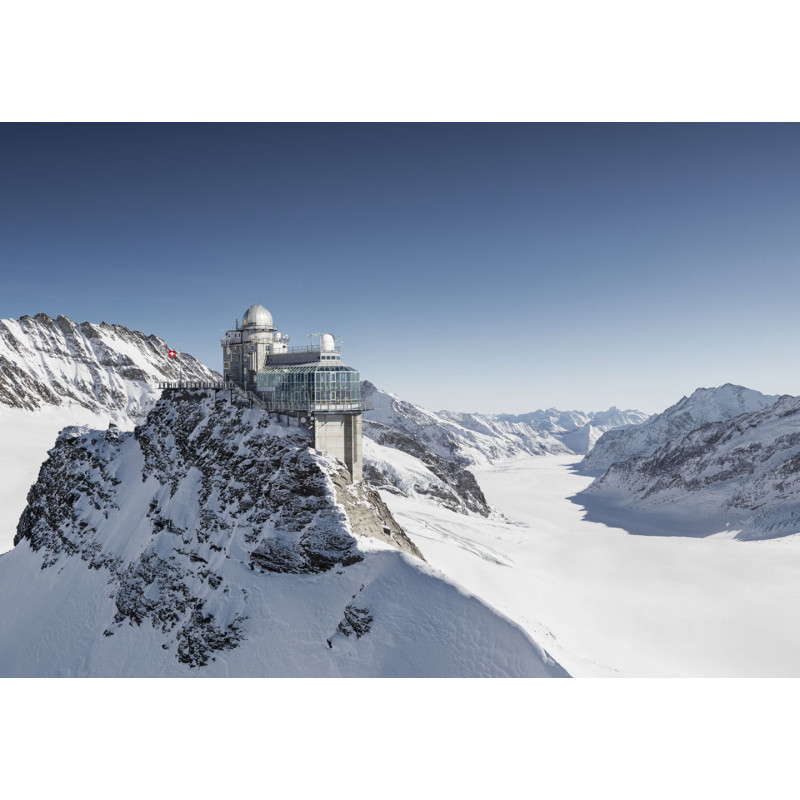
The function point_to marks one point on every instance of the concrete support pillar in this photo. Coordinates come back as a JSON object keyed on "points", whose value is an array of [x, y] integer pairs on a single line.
{"points": [[339, 435]]}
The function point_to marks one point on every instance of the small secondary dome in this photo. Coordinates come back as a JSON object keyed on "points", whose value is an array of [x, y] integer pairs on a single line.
{"points": [[327, 344], [257, 317]]}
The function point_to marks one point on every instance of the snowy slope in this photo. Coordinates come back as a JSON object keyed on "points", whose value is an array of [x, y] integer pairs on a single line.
{"points": [[742, 475], [104, 368], [703, 406], [606, 603], [55, 373], [465, 438], [443, 447], [211, 542]]}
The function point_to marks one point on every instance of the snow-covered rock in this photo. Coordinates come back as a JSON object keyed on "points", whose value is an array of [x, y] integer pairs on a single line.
{"points": [[399, 464], [464, 438], [443, 445], [212, 541], [704, 405], [742, 475], [55, 373]]}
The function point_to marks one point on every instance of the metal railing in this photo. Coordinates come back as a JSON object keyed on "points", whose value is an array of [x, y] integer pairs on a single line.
{"points": [[311, 349], [303, 348], [191, 385], [272, 405], [247, 395], [351, 405]]}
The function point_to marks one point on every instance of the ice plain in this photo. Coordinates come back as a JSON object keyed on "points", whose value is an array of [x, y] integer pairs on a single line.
{"points": [[605, 602]]}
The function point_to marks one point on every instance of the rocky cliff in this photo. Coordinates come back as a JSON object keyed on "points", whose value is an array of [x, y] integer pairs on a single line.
{"points": [[213, 541]]}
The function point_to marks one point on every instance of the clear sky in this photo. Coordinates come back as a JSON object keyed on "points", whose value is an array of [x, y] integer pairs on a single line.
{"points": [[475, 267]]}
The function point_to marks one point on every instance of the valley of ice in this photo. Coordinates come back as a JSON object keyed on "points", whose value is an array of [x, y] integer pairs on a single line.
{"points": [[606, 603]]}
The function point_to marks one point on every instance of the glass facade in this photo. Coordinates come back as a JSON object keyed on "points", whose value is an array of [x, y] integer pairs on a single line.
{"points": [[313, 387]]}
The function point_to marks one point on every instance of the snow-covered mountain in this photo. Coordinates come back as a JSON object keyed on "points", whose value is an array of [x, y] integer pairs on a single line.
{"points": [[54, 373], [578, 430], [212, 541], [103, 368], [742, 474], [466, 438], [703, 406], [439, 447]]}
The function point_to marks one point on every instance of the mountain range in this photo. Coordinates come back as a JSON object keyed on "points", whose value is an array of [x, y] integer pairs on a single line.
{"points": [[104, 368]]}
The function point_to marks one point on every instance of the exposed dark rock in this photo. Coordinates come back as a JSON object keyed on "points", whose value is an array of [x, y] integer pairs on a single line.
{"points": [[357, 620], [461, 490], [204, 481]]}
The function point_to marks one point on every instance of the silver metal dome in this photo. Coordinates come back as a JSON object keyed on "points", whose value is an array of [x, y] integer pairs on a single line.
{"points": [[257, 317]]}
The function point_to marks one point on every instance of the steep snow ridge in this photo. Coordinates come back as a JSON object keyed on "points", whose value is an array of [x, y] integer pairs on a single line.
{"points": [[703, 406], [444, 444], [104, 368], [740, 475], [211, 541], [400, 464]]}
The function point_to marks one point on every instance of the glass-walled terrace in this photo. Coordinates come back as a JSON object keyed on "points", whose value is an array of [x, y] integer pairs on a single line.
{"points": [[311, 387]]}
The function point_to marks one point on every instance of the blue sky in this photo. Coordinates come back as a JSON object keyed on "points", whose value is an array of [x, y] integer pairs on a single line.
{"points": [[476, 267]]}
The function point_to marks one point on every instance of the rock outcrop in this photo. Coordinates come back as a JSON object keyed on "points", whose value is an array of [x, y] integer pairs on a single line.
{"points": [[741, 474], [212, 540]]}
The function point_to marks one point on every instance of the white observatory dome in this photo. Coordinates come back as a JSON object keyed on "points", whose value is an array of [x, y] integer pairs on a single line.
{"points": [[327, 344], [257, 317]]}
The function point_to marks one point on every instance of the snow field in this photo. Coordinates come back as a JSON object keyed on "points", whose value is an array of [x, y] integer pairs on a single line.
{"points": [[608, 603]]}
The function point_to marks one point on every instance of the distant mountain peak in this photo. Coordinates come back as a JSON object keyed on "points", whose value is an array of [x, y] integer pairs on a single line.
{"points": [[738, 474], [704, 405]]}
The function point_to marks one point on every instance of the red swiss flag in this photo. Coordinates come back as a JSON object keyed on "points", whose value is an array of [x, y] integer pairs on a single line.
{"points": [[172, 353]]}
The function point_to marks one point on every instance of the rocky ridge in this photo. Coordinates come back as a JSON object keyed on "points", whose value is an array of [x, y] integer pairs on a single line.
{"points": [[741, 474], [101, 367], [188, 522], [703, 406]]}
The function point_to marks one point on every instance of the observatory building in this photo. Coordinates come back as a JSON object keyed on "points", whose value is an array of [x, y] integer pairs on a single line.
{"points": [[309, 383]]}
